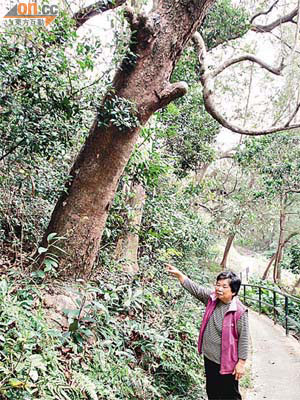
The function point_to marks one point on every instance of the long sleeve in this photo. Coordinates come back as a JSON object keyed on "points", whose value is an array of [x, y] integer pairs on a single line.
{"points": [[201, 293], [243, 331]]}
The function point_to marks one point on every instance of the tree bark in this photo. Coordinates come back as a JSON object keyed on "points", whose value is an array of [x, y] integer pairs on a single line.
{"points": [[127, 246], [157, 42], [226, 251], [265, 275], [275, 254], [230, 240], [279, 251]]}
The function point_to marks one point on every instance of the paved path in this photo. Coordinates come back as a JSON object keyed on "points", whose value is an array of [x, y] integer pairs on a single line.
{"points": [[275, 361]]}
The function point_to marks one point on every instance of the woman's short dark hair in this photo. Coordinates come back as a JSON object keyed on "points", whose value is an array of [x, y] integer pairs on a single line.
{"points": [[234, 280]]}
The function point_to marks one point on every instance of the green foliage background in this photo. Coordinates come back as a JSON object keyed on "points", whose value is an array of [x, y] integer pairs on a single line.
{"points": [[136, 341], [138, 338]]}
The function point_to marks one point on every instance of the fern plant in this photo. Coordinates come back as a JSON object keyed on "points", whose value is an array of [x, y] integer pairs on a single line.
{"points": [[85, 384]]}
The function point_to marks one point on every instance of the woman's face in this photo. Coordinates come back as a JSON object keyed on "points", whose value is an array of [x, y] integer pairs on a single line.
{"points": [[223, 290]]}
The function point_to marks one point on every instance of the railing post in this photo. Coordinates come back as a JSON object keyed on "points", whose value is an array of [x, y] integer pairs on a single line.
{"points": [[287, 322], [286, 309], [274, 307]]}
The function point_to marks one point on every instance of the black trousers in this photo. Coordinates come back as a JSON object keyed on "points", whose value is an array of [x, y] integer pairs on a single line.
{"points": [[220, 387]]}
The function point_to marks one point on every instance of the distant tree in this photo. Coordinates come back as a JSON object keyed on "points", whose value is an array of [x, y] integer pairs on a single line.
{"points": [[275, 159], [229, 196]]}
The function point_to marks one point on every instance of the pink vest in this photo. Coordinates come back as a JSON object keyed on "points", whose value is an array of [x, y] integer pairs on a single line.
{"points": [[229, 348]]}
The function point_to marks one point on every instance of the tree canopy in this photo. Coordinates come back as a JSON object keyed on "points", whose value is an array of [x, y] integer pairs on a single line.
{"points": [[134, 134]]}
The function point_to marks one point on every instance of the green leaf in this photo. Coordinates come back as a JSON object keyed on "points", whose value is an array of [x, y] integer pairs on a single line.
{"points": [[15, 383], [73, 327], [50, 264], [37, 361], [42, 250], [51, 236]]}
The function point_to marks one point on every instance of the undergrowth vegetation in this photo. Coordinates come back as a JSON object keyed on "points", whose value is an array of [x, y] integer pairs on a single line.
{"points": [[133, 339]]}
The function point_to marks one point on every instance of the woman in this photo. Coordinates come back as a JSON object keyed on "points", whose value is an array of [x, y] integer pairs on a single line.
{"points": [[224, 333]]}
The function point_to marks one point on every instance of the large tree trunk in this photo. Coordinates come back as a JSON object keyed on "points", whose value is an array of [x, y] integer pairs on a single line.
{"points": [[226, 251], [127, 246], [157, 42], [279, 251], [230, 240], [265, 274], [272, 259]]}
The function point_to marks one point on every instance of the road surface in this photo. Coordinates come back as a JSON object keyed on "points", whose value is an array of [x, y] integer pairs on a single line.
{"points": [[275, 363]]}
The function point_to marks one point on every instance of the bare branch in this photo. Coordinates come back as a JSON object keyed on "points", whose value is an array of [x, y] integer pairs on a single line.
{"points": [[282, 20], [293, 115], [86, 13], [206, 208], [234, 187], [248, 57], [248, 96], [207, 81], [290, 237], [212, 110], [297, 30], [12, 149], [264, 12], [283, 42], [201, 51], [227, 154], [294, 191]]}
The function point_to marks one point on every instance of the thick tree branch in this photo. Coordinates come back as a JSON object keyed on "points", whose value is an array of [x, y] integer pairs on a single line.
{"points": [[86, 13], [207, 81], [264, 12], [282, 20], [139, 22], [294, 191], [172, 92], [248, 57]]}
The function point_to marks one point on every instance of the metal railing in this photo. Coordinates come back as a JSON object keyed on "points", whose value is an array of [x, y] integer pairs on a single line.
{"points": [[283, 307]]}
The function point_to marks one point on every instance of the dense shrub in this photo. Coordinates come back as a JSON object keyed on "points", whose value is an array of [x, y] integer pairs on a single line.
{"points": [[138, 341]]}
